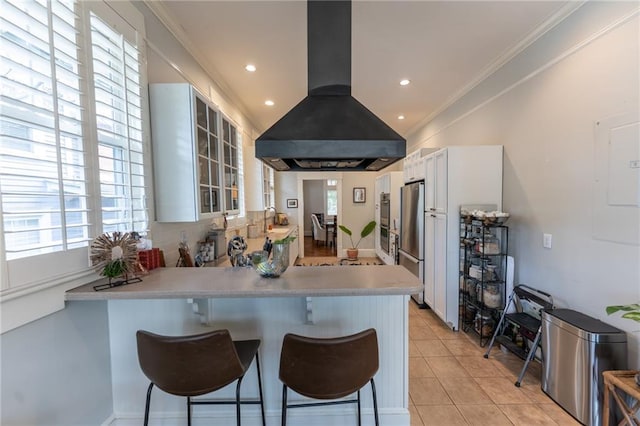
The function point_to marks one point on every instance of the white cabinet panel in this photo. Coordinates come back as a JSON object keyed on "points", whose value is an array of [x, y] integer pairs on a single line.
{"points": [[294, 247], [440, 264], [430, 184], [440, 185], [186, 147], [429, 259]]}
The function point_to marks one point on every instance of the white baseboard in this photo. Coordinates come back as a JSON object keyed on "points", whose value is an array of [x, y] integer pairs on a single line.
{"points": [[109, 421], [295, 417]]}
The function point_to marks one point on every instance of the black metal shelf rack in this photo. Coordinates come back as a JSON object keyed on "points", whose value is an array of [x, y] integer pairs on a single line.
{"points": [[483, 272]]}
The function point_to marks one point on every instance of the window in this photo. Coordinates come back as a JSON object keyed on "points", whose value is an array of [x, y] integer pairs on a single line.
{"points": [[71, 144], [332, 197], [42, 161], [268, 189], [118, 106]]}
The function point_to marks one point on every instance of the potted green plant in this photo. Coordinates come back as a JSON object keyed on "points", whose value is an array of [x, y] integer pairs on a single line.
{"points": [[631, 312], [352, 252]]}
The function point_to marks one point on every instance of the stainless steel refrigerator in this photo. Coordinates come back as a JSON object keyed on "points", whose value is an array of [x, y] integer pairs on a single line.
{"points": [[411, 248]]}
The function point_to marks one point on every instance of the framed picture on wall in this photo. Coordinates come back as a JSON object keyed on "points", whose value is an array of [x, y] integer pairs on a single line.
{"points": [[359, 195], [292, 203]]}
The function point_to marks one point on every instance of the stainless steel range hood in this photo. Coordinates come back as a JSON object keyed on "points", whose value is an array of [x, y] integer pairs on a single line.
{"points": [[329, 129]]}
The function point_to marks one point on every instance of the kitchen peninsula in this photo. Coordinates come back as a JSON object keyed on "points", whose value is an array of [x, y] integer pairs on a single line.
{"points": [[317, 301]]}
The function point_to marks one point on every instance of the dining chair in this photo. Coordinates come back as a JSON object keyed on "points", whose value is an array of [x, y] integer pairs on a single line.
{"points": [[319, 233]]}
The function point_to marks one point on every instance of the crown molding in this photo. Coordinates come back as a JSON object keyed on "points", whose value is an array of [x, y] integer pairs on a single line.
{"points": [[217, 81], [546, 26]]}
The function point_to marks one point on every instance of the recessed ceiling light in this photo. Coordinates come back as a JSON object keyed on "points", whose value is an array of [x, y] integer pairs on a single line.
{"points": [[250, 68], [404, 82], [269, 102], [401, 117]]}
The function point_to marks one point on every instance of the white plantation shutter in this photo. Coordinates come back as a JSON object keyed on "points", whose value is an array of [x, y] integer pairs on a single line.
{"points": [[71, 154], [118, 103], [42, 160]]}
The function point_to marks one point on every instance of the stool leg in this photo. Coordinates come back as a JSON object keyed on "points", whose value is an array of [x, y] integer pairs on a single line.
{"points": [[264, 422], [238, 421], [359, 414], [146, 407], [375, 402], [284, 405], [189, 411]]}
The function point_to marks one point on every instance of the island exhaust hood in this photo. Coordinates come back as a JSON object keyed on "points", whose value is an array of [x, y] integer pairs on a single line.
{"points": [[329, 130]]}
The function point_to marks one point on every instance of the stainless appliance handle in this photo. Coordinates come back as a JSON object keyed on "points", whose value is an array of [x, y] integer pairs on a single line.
{"points": [[410, 258]]}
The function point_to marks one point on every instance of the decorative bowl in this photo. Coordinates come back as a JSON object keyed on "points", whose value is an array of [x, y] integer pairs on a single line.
{"points": [[270, 269]]}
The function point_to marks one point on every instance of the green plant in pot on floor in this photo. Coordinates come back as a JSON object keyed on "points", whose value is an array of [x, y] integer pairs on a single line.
{"points": [[352, 252]]}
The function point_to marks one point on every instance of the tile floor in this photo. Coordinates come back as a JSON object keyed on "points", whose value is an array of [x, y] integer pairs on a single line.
{"points": [[451, 383]]}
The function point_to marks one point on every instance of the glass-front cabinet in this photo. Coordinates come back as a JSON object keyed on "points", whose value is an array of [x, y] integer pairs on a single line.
{"points": [[208, 163], [196, 155]]}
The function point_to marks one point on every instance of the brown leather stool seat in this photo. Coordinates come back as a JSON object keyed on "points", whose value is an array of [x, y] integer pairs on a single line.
{"points": [[196, 365], [329, 368]]}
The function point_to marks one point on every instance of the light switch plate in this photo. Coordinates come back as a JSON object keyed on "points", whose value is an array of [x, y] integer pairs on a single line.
{"points": [[546, 240]]}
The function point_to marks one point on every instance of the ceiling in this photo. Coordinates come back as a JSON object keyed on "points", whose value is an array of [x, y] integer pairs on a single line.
{"points": [[444, 47]]}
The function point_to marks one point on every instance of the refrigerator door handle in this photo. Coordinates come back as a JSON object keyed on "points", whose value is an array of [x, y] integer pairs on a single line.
{"points": [[410, 258]]}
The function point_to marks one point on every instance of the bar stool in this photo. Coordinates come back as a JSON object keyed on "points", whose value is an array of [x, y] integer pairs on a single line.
{"points": [[332, 368], [196, 365]]}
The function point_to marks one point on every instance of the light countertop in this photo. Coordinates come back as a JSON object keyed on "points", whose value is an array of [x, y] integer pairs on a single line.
{"points": [[300, 281]]}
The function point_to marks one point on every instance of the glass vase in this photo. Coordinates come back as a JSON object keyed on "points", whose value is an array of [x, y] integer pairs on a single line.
{"points": [[278, 264]]}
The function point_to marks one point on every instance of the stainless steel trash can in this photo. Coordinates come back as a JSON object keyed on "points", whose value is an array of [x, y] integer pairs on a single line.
{"points": [[576, 350]]}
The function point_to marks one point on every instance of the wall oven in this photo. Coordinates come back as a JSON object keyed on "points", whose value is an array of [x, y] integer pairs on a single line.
{"points": [[385, 209]]}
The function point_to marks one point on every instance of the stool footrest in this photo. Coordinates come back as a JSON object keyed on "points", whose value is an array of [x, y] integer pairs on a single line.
{"points": [[222, 402], [315, 404]]}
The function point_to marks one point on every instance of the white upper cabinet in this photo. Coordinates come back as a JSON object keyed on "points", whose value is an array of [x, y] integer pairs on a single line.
{"points": [[435, 190], [187, 155], [413, 166]]}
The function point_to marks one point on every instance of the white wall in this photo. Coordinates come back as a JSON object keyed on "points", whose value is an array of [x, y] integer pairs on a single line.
{"points": [[356, 215], [542, 107], [57, 370]]}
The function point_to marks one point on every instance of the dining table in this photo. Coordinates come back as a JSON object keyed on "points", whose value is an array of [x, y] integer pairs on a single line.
{"points": [[330, 229]]}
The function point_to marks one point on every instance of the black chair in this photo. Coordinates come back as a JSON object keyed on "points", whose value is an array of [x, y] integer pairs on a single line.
{"points": [[328, 369], [196, 365]]}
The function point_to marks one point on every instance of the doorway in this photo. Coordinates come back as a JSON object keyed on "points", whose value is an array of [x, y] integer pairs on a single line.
{"points": [[319, 193]]}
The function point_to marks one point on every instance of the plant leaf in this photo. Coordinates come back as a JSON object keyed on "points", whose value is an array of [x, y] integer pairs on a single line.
{"points": [[368, 229], [627, 308], [635, 316], [345, 229]]}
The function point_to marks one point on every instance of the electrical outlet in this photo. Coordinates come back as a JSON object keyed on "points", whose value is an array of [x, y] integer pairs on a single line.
{"points": [[546, 240], [183, 236]]}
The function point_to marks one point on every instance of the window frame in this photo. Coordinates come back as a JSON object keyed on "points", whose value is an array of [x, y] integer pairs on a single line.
{"points": [[268, 187]]}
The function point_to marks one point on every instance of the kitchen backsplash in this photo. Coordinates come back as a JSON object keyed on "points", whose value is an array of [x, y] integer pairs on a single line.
{"points": [[167, 236]]}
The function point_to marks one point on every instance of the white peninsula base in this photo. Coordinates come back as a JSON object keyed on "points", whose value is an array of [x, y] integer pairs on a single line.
{"points": [[268, 319]]}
